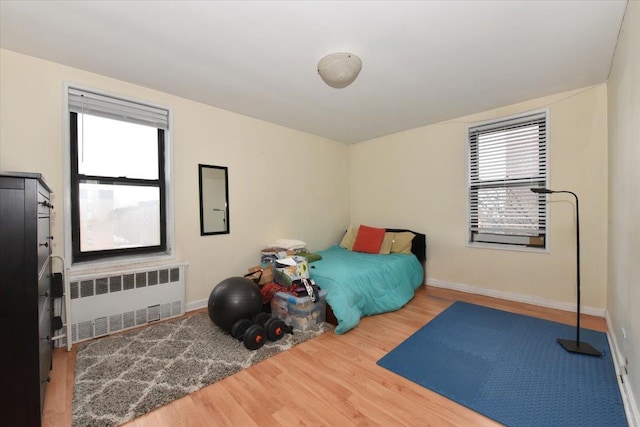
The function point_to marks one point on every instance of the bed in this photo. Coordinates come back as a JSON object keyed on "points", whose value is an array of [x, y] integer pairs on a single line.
{"points": [[361, 284]]}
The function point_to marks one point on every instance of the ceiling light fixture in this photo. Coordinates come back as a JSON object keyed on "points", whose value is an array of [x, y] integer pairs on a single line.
{"points": [[340, 69]]}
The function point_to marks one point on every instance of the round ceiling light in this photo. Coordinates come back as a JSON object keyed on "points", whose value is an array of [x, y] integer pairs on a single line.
{"points": [[340, 69]]}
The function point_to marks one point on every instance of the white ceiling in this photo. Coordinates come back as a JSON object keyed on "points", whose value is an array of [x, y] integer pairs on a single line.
{"points": [[423, 61]]}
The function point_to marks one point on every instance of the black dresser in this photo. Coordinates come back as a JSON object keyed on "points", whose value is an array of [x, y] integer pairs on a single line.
{"points": [[25, 303]]}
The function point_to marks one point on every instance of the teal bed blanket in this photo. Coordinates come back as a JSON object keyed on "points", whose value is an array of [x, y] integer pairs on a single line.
{"points": [[360, 284]]}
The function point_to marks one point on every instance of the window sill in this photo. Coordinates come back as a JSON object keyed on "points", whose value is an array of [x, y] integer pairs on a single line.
{"points": [[123, 264], [502, 247]]}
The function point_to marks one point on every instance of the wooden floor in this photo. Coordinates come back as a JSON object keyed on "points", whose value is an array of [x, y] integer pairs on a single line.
{"points": [[331, 380]]}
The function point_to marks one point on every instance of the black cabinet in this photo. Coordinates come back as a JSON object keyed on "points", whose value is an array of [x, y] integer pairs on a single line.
{"points": [[25, 304]]}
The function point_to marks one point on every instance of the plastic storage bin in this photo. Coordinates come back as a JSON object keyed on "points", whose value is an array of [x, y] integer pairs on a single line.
{"points": [[299, 312]]}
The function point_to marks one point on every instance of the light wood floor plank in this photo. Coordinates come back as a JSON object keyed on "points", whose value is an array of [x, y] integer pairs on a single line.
{"points": [[330, 380]]}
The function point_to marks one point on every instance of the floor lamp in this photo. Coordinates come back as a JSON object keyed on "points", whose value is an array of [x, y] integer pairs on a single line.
{"points": [[574, 346]]}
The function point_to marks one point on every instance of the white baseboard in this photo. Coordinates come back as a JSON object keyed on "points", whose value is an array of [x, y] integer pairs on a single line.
{"points": [[511, 296], [196, 305], [628, 399], [615, 349]]}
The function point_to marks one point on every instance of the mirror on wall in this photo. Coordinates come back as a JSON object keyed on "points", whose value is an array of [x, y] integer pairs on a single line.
{"points": [[214, 200]]}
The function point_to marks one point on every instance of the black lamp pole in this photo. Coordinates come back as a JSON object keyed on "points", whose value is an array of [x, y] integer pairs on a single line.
{"points": [[573, 346]]}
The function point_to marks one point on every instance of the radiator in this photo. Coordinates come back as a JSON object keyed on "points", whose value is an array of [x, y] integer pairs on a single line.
{"points": [[106, 303]]}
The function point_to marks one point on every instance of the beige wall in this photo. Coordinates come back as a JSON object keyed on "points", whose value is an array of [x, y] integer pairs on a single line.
{"points": [[282, 183], [413, 179], [624, 194], [417, 179]]}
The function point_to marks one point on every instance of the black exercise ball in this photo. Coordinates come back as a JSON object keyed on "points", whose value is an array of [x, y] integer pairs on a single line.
{"points": [[233, 299]]}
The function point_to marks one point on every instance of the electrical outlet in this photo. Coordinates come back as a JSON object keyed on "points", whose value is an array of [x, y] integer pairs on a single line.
{"points": [[624, 334]]}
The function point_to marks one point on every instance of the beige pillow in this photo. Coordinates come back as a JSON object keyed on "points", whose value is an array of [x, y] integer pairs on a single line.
{"points": [[402, 243], [385, 249], [349, 238]]}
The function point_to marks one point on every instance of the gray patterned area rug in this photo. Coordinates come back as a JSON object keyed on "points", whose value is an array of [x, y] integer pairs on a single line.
{"points": [[122, 377]]}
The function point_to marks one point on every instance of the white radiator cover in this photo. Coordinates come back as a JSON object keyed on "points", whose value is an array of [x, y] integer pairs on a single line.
{"points": [[107, 303]]}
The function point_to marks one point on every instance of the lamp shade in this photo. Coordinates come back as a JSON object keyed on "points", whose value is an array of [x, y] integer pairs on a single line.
{"points": [[340, 69]]}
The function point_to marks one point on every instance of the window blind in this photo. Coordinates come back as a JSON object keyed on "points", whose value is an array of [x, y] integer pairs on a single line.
{"points": [[81, 101], [506, 159]]}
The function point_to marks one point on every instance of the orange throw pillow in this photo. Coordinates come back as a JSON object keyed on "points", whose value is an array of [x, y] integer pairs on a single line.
{"points": [[369, 239]]}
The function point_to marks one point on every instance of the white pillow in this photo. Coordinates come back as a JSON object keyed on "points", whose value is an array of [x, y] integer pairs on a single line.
{"points": [[287, 244]]}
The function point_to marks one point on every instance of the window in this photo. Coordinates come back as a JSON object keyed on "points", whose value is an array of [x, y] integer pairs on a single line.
{"points": [[506, 159], [118, 180]]}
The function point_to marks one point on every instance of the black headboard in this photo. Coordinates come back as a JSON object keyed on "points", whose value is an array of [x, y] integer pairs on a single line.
{"points": [[418, 244]]}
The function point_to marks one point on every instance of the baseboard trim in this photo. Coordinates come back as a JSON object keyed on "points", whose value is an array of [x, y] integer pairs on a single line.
{"points": [[196, 305], [628, 399], [512, 296], [615, 349]]}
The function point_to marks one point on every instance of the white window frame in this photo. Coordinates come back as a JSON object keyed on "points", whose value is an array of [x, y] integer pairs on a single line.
{"points": [[127, 260], [507, 242]]}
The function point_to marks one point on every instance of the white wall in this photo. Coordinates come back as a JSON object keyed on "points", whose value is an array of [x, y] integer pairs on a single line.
{"points": [[624, 194], [417, 179], [282, 183]]}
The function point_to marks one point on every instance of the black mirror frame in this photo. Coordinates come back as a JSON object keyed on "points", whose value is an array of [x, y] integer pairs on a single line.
{"points": [[225, 211]]}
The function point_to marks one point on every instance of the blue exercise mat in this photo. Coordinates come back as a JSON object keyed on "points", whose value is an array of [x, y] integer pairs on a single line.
{"points": [[509, 367]]}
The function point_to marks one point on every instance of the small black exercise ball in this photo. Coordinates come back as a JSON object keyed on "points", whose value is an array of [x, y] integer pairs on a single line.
{"points": [[233, 299]]}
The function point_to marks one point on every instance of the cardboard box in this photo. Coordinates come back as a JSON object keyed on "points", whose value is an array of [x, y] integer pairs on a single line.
{"points": [[265, 277], [289, 269]]}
